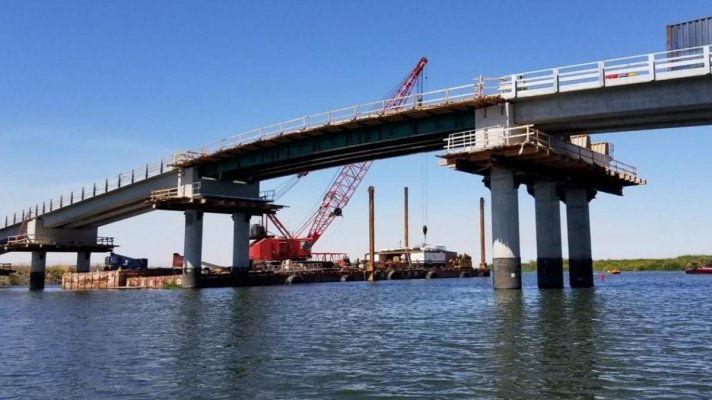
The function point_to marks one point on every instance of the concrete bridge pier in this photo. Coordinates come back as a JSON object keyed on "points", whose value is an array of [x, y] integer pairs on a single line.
{"points": [[241, 241], [192, 248], [579, 227], [38, 263], [83, 261], [505, 230], [549, 270]]}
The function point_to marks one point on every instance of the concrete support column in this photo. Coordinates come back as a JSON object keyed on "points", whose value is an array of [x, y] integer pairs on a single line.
{"points": [[549, 264], [37, 270], [579, 227], [505, 230], [83, 261], [192, 248], [241, 241]]}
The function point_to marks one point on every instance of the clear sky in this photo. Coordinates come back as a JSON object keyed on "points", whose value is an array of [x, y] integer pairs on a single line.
{"points": [[89, 89]]}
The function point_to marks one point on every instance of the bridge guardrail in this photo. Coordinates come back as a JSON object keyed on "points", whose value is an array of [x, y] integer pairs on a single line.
{"points": [[620, 71], [32, 239], [615, 72]]}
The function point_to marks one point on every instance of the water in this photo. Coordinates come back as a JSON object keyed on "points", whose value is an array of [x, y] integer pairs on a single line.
{"points": [[636, 335]]}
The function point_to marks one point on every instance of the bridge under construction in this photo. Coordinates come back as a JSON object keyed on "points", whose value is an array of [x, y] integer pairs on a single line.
{"points": [[527, 128]]}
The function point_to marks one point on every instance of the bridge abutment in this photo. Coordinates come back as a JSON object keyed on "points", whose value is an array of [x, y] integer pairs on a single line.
{"points": [[192, 248], [505, 230], [241, 241], [38, 264], [549, 262], [83, 261], [579, 238]]}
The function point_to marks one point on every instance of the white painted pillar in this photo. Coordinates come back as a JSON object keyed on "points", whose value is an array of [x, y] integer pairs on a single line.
{"points": [[549, 270], [505, 230], [241, 241], [83, 261], [192, 248], [579, 227], [37, 270]]}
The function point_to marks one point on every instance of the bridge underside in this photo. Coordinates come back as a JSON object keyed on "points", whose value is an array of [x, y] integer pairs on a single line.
{"points": [[652, 105], [404, 133]]}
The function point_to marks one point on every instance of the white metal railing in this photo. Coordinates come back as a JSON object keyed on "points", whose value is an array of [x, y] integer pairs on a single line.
{"points": [[492, 138], [190, 190], [32, 239], [95, 189], [483, 87], [620, 71]]}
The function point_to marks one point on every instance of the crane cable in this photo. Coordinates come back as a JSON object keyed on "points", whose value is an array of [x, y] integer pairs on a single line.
{"points": [[424, 195]]}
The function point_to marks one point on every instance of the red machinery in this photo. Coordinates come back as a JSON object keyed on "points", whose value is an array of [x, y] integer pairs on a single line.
{"points": [[266, 249]]}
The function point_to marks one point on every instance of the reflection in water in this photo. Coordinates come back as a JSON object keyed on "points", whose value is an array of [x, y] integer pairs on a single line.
{"points": [[633, 336], [510, 344]]}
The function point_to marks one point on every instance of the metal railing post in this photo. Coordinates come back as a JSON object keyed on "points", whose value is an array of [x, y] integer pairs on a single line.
{"points": [[82, 194], [132, 176], [706, 55], [94, 190], [61, 201], [14, 218], [118, 184], [514, 85], [555, 79], [50, 204], [651, 66], [106, 185], [71, 197], [43, 208], [161, 168], [145, 176], [601, 75]]}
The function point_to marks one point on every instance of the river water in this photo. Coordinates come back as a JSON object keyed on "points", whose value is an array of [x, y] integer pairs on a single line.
{"points": [[636, 335]]}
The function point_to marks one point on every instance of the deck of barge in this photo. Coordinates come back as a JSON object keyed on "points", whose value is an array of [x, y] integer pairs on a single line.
{"points": [[163, 278]]}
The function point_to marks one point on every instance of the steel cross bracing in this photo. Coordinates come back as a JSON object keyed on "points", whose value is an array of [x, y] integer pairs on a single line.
{"points": [[675, 64]]}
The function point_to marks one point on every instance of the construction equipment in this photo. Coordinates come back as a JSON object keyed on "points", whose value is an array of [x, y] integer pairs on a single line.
{"points": [[115, 261], [273, 250]]}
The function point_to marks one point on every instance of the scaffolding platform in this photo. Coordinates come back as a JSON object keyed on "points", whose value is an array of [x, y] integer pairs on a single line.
{"points": [[533, 154]]}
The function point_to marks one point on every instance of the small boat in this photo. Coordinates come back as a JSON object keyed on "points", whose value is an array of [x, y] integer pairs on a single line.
{"points": [[699, 268], [613, 271]]}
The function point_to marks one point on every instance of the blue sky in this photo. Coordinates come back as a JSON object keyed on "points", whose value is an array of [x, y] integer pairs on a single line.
{"points": [[92, 88]]}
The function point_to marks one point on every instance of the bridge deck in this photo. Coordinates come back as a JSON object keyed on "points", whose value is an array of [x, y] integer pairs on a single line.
{"points": [[207, 156]]}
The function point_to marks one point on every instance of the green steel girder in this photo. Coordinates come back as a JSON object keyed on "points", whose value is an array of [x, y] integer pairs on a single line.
{"points": [[352, 143]]}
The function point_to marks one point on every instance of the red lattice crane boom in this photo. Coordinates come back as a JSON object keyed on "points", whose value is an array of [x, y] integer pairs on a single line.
{"points": [[337, 196]]}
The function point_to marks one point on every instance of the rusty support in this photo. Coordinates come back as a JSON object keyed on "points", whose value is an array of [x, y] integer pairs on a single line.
{"points": [[405, 216], [371, 242]]}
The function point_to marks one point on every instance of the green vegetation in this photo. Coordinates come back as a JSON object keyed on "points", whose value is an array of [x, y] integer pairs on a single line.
{"points": [[53, 275], [642, 264], [171, 285]]}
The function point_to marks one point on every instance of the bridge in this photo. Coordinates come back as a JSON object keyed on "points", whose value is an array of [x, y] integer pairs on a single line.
{"points": [[526, 128]]}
